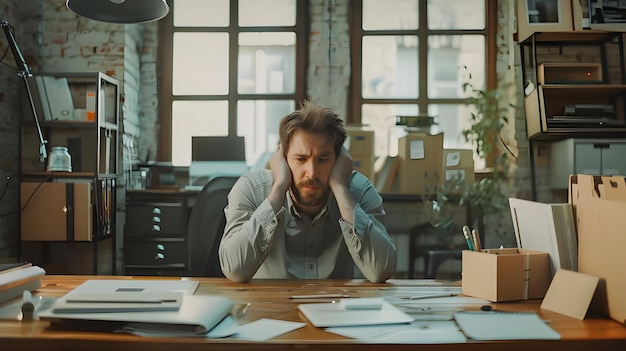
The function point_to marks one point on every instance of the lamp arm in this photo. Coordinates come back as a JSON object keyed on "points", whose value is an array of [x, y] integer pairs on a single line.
{"points": [[24, 73]]}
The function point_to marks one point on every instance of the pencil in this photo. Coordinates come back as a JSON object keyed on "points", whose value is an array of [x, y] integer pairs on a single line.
{"points": [[476, 239], [468, 238]]}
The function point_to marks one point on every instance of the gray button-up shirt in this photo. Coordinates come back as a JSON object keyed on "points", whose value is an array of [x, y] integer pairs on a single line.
{"points": [[258, 243]]}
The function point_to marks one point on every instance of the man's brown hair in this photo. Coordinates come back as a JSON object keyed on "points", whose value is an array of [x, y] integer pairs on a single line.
{"points": [[315, 120]]}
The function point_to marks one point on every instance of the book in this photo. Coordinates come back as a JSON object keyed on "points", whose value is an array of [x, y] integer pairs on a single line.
{"points": [[546, 227], [14, 280], [198, 314], [191, 314]]}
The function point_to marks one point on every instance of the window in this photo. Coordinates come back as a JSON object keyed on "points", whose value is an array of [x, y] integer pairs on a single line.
{"points": [[230, 67], [411, 58]]}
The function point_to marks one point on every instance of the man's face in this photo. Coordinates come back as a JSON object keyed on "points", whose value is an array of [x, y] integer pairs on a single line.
{"points": [[311, 158]]}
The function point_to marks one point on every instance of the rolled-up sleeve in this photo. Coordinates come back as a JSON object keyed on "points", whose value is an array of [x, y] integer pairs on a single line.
{"points": [[250, 227], [367, 239]]}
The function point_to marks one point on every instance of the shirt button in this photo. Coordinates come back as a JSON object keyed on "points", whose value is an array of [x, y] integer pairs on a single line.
{"points": [[273, 222], [310, 266], [311, 245]]}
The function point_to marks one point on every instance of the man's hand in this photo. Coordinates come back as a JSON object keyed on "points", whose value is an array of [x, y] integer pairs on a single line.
{"points": [[282, 178], [340, 175]]}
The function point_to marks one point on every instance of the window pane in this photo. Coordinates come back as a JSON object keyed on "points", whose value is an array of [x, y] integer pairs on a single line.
{"points": [[201, 13], [200, 63], [382, 118], [389, 65], [451, 58], [257, 122], [455, 14], [267, 63], [390, 14], [452, 119], [195, 118], [267, 13]]}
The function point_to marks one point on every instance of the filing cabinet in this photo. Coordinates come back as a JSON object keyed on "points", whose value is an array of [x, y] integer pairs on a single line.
{"points": [[155, 236]]}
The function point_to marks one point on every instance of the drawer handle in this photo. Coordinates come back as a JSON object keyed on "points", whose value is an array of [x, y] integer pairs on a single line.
{"points": [[159, 256], [156, 228], [156, 219], [156, 210], [160, 247]]}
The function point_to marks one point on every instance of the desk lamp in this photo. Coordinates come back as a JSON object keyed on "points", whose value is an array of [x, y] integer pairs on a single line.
{"points": [[23, 71], [120, 11]]}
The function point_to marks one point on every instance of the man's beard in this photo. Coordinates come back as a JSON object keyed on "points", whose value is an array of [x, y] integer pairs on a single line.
{"points": [[304, 197]]}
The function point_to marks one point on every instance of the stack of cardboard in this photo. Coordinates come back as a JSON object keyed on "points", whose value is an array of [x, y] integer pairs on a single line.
{"points": [[599, 204], [423, 165]]}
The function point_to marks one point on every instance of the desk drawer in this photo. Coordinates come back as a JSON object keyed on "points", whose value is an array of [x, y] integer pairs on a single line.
{"points": [[156, 253], [154, 218]]}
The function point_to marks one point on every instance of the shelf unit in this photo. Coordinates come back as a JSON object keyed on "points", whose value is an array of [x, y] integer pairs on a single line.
{"points": [[574, 84], [582, 55], [68, 219]]}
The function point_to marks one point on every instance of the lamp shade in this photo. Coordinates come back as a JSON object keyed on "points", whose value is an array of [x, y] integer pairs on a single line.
{"points": [[120, 11]]}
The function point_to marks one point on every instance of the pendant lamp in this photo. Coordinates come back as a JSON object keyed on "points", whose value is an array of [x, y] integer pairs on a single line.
{"points": [[120, 11]]}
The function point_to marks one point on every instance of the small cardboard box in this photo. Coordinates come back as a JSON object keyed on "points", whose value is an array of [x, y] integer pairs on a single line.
{"points": [[420, 157], [506, 274], [599, 205], [360, 141]]}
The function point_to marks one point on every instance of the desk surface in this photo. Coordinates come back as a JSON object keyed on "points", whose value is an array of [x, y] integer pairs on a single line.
{"points": [[270, 299]]}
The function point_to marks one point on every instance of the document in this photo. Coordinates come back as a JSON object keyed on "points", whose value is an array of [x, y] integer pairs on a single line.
{"points": [[336, 315], [504, 326]]}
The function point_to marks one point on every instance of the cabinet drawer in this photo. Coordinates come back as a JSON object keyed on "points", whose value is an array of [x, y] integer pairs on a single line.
{"points": [[148, 219], [157, 253]]}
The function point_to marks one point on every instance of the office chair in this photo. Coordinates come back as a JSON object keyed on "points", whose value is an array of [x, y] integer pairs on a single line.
{"points": [[206, 227]]}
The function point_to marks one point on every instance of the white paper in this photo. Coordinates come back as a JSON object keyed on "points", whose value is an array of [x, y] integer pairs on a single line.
{"points": [[266, 329], [416, 150], [453, 159]]}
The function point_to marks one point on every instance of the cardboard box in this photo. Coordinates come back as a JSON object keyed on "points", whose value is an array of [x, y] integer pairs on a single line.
{"points": [[56, 211], [506, 274], [420, 157], [360, 141], [457, 164], [365, 165], [599, 205]]}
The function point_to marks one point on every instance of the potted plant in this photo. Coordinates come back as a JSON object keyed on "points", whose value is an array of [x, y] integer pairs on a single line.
{"points": [[488, 118]]}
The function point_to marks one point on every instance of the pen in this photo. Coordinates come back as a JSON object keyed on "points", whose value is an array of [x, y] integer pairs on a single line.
{"points": [[476, 239], [468, 238], [318, 296], [431, 296]]}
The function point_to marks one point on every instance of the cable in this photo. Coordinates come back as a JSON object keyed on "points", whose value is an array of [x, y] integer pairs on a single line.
{"points": [[29, 197]]}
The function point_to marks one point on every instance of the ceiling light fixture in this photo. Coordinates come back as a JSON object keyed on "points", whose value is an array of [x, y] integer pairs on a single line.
{"points": [[120, 11]]}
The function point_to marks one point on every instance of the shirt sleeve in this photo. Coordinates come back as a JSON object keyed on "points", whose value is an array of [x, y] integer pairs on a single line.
{"points": [[249, 231], [367, 240]]}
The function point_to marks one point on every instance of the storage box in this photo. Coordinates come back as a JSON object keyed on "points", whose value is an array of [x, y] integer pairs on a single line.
{"points": [[420, 156], [360, 141], [457, 164], [365, 165], [56, 211], [506, 274], [568, 73], [599, 205]]}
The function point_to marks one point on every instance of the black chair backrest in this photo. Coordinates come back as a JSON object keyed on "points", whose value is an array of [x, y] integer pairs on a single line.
{"points": [[206, 227]]}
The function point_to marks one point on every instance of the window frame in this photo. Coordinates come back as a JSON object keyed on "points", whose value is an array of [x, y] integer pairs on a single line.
{"points": [[165, 69], [423, 32]]}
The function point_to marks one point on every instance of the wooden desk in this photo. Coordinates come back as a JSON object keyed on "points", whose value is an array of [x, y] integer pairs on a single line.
{"points": [[269, 299]]}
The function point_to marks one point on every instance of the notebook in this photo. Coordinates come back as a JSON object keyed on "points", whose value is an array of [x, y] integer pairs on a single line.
{"points": [[336, 315], [504, 326], [198, 314]]}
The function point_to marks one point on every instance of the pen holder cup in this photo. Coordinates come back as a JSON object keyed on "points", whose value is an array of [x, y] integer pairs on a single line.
{"points": [[506, 274]]}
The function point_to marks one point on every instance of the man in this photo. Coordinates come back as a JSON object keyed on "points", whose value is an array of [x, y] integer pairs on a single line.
{"points": [[309, 217]]}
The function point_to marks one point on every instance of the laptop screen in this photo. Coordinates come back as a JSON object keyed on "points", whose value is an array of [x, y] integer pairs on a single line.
{"points": [[213, 148]]}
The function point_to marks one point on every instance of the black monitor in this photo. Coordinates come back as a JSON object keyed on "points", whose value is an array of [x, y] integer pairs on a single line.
{"points": [[218, 148]]}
